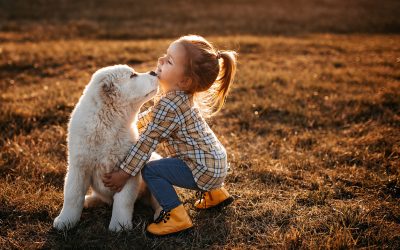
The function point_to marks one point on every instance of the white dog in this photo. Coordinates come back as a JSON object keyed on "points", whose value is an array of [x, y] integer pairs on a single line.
{"points": [[100, 134]]}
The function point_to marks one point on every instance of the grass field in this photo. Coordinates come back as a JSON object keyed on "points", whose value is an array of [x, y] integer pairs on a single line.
{"points": [[312, 125]]}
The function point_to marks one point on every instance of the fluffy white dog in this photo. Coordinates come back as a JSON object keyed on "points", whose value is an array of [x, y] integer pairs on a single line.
{"points": [[101, 131]]}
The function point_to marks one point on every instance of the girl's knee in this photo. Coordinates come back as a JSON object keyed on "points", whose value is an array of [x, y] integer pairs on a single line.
{"points": [[146, 171], [152, 169]]}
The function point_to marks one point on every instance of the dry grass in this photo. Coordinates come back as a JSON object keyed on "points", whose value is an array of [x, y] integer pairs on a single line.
{"points": [[131, 19], [312, 128]]}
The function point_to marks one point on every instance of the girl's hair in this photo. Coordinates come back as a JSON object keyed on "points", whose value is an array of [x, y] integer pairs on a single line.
{"points": [[211, 71]]}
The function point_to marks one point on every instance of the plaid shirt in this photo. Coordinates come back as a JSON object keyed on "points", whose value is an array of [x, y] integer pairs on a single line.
{"points": [[184, 134]]}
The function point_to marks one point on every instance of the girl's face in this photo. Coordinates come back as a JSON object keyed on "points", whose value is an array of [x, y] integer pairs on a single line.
{"points": [[171, 68]]}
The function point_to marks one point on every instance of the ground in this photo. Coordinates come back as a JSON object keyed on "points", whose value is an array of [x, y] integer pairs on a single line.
{"points": [[311, 126]]}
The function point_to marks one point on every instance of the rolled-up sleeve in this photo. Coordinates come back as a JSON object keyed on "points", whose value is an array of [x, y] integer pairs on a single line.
{"points": [[162, 122]]}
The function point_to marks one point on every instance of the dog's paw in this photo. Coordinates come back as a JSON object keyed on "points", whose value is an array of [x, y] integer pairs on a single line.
{"points": [[63, 223], [118, 226]]}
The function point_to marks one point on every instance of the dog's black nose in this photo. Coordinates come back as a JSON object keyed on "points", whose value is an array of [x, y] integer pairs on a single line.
{"points": [[153, 73]]}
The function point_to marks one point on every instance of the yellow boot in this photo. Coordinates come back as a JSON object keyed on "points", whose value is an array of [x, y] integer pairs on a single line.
{"points": [[171, 222], [216, 197]]}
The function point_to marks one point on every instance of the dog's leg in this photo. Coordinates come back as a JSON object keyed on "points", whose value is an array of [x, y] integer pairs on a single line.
{"points": [[123, 206], [156, 207], [148, 198], [153, 202], [75, 188]]}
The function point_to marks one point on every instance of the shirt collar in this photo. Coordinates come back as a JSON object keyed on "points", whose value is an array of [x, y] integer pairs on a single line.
{"points": [[177, 92], [183, 94]]}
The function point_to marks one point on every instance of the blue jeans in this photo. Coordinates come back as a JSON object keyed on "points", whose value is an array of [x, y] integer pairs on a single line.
{"points": [[161, 175]]}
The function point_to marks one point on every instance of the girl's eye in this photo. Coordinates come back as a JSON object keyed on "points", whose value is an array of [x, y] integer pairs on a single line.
{"points": [[133, 75], [170, 62]]}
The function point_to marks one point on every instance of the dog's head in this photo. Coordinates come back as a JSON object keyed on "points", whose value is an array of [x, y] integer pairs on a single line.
{"points": [[120, 84]]}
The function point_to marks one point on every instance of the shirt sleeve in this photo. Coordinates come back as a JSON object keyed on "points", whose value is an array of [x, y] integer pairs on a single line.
{"points": [[162, 122], [144, 119]]}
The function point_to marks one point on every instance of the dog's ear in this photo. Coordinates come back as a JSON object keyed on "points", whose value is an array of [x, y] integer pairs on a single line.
{"points": [[108, 89]]}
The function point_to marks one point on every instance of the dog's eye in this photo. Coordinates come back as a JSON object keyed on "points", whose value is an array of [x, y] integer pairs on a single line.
{"points": [[133, 75]]}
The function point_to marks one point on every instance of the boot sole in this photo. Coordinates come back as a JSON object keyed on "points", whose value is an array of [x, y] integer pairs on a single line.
{"points": [[223, 204], [182, 232]]}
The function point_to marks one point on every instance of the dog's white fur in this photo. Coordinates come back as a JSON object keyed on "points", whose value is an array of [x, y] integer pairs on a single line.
{"points": [[100, 133]]}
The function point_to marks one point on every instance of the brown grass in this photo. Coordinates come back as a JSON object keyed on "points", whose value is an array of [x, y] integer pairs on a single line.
{"points": [[131, 19], [311, 125]]}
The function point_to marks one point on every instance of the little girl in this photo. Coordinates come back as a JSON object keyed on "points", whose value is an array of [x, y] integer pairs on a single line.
{"points": [[195, 79]]}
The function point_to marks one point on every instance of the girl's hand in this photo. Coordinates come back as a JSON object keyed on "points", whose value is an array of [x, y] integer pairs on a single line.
{"points": [[115, 180]]}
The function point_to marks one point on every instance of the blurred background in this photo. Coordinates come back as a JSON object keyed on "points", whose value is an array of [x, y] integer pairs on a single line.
{"points": [[130, 19], [311, 125]]}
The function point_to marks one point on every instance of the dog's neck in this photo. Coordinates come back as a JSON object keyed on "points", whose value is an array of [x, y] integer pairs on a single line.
{"points": [[113, 116]]}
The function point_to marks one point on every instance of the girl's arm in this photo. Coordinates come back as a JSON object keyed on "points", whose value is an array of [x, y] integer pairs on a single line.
{"points": [[116, 180], [163, 121]]}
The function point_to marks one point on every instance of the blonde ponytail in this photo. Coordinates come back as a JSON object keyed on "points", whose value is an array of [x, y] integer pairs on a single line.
{"points": [[225, 77]]}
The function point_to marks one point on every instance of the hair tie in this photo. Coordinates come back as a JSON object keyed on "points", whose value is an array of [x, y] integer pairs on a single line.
{"points": [[218, 54]]}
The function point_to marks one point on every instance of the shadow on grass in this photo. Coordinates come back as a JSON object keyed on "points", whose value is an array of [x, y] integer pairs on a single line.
{"points": [[337, 115], [210, 230], [15, 217], [12, 124]]}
